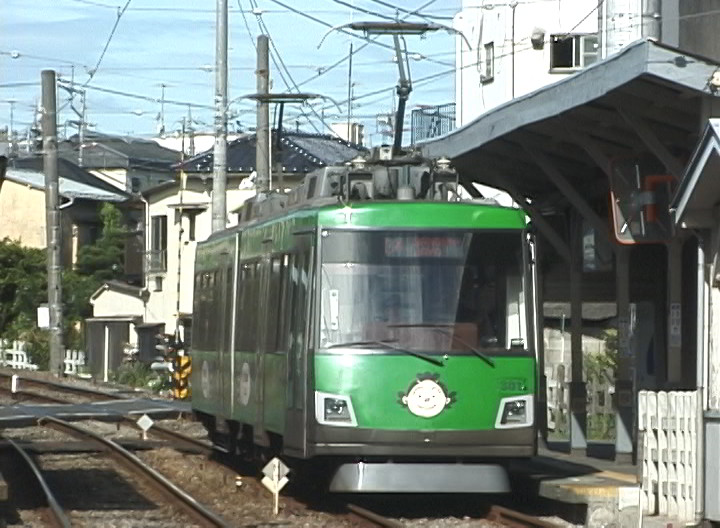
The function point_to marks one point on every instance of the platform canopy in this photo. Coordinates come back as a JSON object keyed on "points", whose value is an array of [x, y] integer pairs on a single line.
{"points": [[559, 146], [697, 197]]}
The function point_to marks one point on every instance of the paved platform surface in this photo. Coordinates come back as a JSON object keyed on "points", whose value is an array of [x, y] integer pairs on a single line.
{"points": [[22, 415], [596, 490]]}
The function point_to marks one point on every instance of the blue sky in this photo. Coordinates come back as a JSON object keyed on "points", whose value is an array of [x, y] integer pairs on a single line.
{"points": [[172, 43]]}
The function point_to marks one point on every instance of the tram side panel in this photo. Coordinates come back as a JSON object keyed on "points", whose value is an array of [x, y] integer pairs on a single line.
{"points": [[212, 316]]}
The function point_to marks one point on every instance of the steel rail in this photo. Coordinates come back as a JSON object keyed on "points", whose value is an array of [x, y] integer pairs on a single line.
{"points": [[200, 513], [155, 430], [58, 517], [31, 395], [93, 393], [515, 519], [174, 436], [374, 517]]}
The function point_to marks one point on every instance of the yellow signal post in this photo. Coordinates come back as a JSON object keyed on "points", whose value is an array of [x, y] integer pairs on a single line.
{"points": [[181, 377]]}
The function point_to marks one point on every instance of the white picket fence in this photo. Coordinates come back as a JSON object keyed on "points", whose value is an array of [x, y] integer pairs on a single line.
{"points": [[668, 434], [14, 354]]}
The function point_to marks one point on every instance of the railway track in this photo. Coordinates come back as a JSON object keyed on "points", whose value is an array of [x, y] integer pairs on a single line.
{"points": [[54, 514], [375, 518], [516, 519], [175, 438], [175, 496], [15, 385]]}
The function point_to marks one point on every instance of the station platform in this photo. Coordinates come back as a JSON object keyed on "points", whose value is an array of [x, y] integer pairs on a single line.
{"points": [[21, 415], [589, 490]]}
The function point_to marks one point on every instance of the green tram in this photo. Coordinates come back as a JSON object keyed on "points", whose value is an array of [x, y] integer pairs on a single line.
{"points": [[373, 324]]}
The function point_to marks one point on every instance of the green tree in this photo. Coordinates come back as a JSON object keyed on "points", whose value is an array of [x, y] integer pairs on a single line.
{"points": [[104, 260], [23, 282]]}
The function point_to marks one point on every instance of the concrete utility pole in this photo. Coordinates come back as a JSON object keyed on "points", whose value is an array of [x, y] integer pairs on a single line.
{"points": [[262, 127], [219, 205], [52, 218]]}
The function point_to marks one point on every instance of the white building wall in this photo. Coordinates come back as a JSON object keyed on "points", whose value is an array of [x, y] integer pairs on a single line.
{"points": [[116, 304], [162, 305], [485, 22]]}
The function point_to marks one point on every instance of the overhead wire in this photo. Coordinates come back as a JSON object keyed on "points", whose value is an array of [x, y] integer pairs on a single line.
{"points": [[120, 13], [278, 61], [403, 10], [350, 33]]}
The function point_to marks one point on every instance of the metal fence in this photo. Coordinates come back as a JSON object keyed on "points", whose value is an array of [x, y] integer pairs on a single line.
{"points": [[432, 121]]}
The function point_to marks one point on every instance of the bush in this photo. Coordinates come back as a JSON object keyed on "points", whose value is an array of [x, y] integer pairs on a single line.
{"points": [[134, 374], [37, 341]]}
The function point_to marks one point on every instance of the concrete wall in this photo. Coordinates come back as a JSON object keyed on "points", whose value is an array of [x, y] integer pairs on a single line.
{"points": [[23, 214], [699, 21], [485, 22], [116, 177]]}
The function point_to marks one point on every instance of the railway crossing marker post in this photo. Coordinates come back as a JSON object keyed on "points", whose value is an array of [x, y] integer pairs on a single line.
{"points": [[145, 423], [275, 479]]}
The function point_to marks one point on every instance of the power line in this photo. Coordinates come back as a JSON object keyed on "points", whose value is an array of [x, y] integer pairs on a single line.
{"points": [[276, 53], [350, 33], [120, 13], [402, 10], [363, 10], [140, 97]]}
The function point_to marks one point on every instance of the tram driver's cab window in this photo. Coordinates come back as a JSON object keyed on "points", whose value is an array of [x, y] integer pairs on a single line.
{"points": [[442, 291]]}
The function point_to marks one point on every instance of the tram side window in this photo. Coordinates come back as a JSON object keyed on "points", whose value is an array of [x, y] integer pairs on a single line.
{"points": [[300, 283], [273, 306], [198, 313], [283, 304], [203, 311], [240, 315], [248, 315]]}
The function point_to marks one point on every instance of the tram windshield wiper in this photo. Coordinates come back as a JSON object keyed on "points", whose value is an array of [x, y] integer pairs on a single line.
{"points": [[387, 343], [442, 328]]}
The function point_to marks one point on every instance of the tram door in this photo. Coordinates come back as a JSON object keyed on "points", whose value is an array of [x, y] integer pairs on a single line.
{"points": [[299, 318], [224, 281], [263, 277]]}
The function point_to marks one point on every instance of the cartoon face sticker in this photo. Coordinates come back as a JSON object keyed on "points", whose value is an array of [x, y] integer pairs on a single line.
{"points": [[426, 397]]}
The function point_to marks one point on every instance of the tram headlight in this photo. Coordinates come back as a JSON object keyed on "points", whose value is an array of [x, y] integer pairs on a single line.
{"points": [[515, 411], [334, 409]]}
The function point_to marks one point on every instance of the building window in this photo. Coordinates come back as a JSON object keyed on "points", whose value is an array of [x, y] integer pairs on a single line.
{"points": [[158, 243], [572, 52], [191, 226], [486, 62]]}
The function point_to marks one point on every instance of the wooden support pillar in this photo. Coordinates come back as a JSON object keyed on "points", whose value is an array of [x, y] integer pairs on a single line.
{"points": [[624, 382], [674, 314], [578, 387], [539, 330]]}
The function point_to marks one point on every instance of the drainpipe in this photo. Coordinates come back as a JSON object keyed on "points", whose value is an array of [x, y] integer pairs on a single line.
{"points": [[651, 20], [67, 204], [513, 5], [145, 289], [701, 368]]}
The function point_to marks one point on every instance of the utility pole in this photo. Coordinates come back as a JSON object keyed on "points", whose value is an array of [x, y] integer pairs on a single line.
{"points": [[262, 127], [52, 217], [81, 128], [349, 108], [162, 109], [219, 205]]}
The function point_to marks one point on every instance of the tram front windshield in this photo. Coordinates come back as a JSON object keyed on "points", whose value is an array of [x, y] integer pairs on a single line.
{"points": [[422, 290]]}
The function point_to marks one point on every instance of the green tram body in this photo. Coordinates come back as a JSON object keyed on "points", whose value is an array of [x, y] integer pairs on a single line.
{"points": [[291, 351]]}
